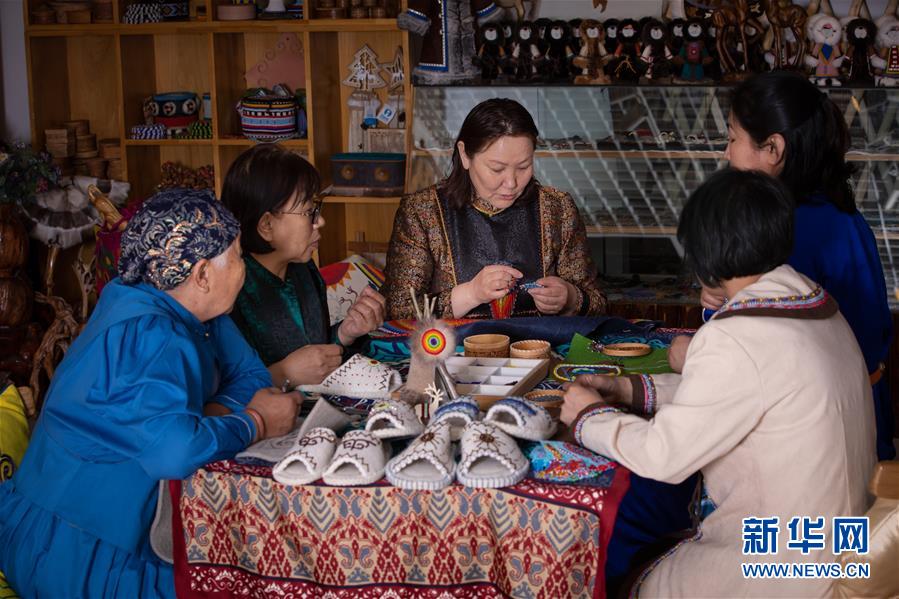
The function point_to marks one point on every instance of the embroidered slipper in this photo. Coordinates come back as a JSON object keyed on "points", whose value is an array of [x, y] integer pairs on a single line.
{"points": [[457, 414], [521, 418], [427, 464], [359, 377], [358, 460], [271, 450], [324, 414], [310, 455], [490, 458], [392, 419]]}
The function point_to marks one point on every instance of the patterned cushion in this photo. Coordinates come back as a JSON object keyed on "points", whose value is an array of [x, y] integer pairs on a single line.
{"points": [[346, 280], [13, 441]]}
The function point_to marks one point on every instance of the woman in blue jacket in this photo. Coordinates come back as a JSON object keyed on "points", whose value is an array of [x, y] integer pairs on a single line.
{"points": [[131, 405]]}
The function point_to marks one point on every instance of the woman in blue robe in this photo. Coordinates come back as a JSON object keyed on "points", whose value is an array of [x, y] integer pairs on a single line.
{"points": [[128, 407], [782, 125]]}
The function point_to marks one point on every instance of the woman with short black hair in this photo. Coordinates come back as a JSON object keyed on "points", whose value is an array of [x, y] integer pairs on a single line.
{"points": [[773, 406], [783, 125], [282, 309], [474, 238]]}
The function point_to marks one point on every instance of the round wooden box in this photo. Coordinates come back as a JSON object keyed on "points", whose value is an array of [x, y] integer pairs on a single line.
{"points": [[487, 346], [531, 349]]}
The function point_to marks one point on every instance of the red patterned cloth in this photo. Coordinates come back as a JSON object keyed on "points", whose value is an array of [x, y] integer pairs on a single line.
{"points": [[246, 535]]}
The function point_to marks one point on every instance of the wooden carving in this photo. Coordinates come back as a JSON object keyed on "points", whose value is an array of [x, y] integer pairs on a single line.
{"points": [[783, 14]]}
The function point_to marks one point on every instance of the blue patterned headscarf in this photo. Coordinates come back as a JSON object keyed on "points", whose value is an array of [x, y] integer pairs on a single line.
{"points": [[172, 231]]}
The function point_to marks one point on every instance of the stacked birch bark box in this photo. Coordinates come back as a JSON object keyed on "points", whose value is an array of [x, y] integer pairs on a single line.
{"points": [[76, 152]]}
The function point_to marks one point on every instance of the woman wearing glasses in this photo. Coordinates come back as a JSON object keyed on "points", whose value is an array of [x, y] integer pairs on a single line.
{"points": [[282, 309]]}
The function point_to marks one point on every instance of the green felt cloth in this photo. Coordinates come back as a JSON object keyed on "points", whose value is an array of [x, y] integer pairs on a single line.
{"points": [[655, 362]]}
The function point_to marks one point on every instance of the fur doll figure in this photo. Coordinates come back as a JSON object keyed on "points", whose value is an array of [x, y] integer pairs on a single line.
{"points": [[860, 36], [526, 54], [676, 33], [693, 56], [611, 27], [448, 31], [887, 62], [593, 54], [491, 53], [508, 30], [542, 26], [713, 67], [656, 54], [626, 66], [824, 33], [574, 25], [559, 51]]}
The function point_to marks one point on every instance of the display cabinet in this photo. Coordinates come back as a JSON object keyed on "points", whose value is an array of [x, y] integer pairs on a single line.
{"points": [[630, 156]]}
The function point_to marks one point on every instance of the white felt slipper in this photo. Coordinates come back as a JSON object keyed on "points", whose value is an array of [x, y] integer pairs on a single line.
{"points": [[271, 450], [522, 419], [490, 458], [359, 377], [427, 463], [308, 459], [457, 414], [358, 460], [392, 419]]}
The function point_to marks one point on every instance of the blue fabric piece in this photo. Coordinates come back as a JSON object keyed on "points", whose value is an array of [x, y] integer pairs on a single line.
{"points": [[649, 511], [556, 330], [839, 251], [124, 411]]}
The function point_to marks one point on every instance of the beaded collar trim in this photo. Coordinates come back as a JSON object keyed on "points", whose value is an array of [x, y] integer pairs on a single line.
{"points": [[818, 298]]}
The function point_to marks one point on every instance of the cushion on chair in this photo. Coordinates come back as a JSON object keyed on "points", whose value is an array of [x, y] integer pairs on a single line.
{"points": [[883, 526], [13, 441], [345, 280]]}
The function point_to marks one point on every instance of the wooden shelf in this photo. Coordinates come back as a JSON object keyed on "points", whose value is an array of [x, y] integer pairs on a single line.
{"points": [[211, 26], [853, 156], [168, 142], [243, 142]]}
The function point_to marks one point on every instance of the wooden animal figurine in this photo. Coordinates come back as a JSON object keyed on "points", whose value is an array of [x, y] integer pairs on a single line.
{"points": [[887, 62], [693, 55], [626, 66], [593, 54], [824, 33], [731, 21], [860, 36], [491, 51], [518, 5], [559, 50], [656, 54], [431, 343], [112, 218], [783, 16]]}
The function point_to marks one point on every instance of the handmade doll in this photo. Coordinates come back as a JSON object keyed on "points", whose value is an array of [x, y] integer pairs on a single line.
{"points": [[491, 53], [526, 53], [676, 35], [508, 29], [592, 55], [574, 25], [559, 51], [656, 53], [860, 34], [824, 33], [626, 66], [693, 55], [712, 67], [448, 47], [611, 27], [541, 26], [887, 63]]}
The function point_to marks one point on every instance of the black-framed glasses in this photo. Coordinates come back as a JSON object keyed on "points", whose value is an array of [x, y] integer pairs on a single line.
{"points": [[312, 213]]}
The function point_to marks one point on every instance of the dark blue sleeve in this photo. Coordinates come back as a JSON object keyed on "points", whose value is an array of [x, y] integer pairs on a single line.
{"points": [[839, 251]]}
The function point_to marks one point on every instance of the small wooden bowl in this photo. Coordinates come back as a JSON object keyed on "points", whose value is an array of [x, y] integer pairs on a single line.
{"points": [[487, 346], [548, 398], [530, 349]]}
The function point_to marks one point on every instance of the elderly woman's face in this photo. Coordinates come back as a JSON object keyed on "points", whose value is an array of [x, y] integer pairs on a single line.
{"points": [[229, 276], [501, 171], [295, 229]]}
